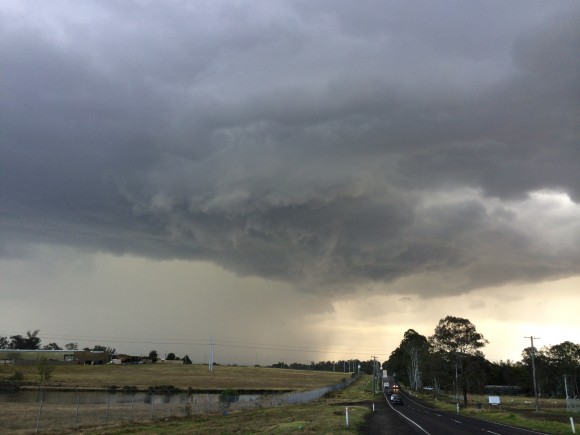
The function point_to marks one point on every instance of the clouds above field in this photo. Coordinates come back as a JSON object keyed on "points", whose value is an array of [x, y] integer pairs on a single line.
{"points": [[431, 146]]}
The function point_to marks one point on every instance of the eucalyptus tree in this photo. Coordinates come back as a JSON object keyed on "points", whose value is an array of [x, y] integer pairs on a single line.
{"points": [[416, 349], [458, 338], [564, 359], [408, 360]]}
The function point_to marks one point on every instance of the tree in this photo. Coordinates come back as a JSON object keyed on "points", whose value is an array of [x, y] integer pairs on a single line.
{"points": [[153, 356], [416, 348], [71, 346], [170, 356], [508, 373], [4, 343], [44, 370], [408, 359], [562, 362], [436, 368], [30, 342], [52, 346], [459, 339]]}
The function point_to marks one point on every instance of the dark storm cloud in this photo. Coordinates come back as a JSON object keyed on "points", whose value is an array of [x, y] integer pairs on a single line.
{"points": [[315, 143]]}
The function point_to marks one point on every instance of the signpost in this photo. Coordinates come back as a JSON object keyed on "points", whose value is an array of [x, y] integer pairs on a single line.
{"points": [[494, 401]]}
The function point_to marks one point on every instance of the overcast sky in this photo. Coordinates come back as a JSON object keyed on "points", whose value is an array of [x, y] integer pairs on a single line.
{"points": [[299, 179]]}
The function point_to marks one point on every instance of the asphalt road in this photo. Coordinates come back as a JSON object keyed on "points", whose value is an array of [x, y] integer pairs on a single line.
{"points": [[415, 418]]}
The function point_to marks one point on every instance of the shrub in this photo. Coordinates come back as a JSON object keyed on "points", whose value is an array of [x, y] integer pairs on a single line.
{"points": [[229, 396], [44, 370], [16, 377]]}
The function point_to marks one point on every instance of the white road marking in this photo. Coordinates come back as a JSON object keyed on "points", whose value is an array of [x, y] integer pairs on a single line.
{"points": [[405, 417]]}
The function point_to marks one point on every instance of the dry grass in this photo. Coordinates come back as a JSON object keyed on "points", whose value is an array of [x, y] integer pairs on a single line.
{"points": [[322, 416], [316, 418], [196, 377]]}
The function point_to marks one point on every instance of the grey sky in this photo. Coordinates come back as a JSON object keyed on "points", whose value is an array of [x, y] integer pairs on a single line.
{"points": [[326, 145]]}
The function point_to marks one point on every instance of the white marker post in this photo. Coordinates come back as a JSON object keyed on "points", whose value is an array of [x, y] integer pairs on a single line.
{"points": [[572, 424], [346, 415], [373, 406]]}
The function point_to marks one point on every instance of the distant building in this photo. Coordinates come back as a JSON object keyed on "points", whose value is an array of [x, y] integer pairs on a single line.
{"points": [[20, 356]]}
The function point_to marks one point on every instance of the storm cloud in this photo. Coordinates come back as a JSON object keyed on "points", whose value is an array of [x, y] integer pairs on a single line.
{"points": [[324, 144]]}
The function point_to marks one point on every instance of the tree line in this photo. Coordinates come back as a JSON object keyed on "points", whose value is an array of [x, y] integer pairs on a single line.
{"points": [[31, 341], [347, 366], [451, 359]]}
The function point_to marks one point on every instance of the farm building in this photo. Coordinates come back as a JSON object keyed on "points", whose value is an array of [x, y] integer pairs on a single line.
{"points": [[17, 356]]}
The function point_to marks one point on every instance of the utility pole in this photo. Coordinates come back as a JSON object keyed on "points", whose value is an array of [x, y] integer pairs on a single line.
{"points": [[532, 351], [211, 345], [374, 375]]}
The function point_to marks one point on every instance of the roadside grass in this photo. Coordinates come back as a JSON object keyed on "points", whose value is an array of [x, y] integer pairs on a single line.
{"points": [[515, 411], [143, 376], [324, 416]]}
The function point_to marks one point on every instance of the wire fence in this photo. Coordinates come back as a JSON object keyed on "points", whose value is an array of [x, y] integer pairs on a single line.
{"points": [[573, 404], [48, 411]]}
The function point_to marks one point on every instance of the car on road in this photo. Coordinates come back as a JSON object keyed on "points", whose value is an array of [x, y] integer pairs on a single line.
{"points": [[397, 400]]}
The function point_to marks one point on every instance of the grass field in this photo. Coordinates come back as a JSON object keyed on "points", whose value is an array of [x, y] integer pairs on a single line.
{"points": [[197, 377], [324, 416]]}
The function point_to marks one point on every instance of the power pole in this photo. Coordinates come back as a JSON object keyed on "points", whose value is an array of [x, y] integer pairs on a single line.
{"points": [[532, 351], [211, 345], [374, 375]]}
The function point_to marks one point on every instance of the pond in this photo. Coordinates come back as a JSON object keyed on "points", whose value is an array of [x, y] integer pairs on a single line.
{"points": [[118, 397]]}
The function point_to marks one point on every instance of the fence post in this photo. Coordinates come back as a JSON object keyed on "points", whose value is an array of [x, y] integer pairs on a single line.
{"points": [[77, 411], [107, 408], [346, 416]]}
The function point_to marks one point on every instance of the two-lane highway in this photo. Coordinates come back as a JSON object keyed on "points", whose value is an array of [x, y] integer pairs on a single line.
{"points": [[429, 421]]}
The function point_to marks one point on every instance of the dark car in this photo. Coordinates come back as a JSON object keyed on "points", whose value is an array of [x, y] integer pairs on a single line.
{"points": [[397, 400]]}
